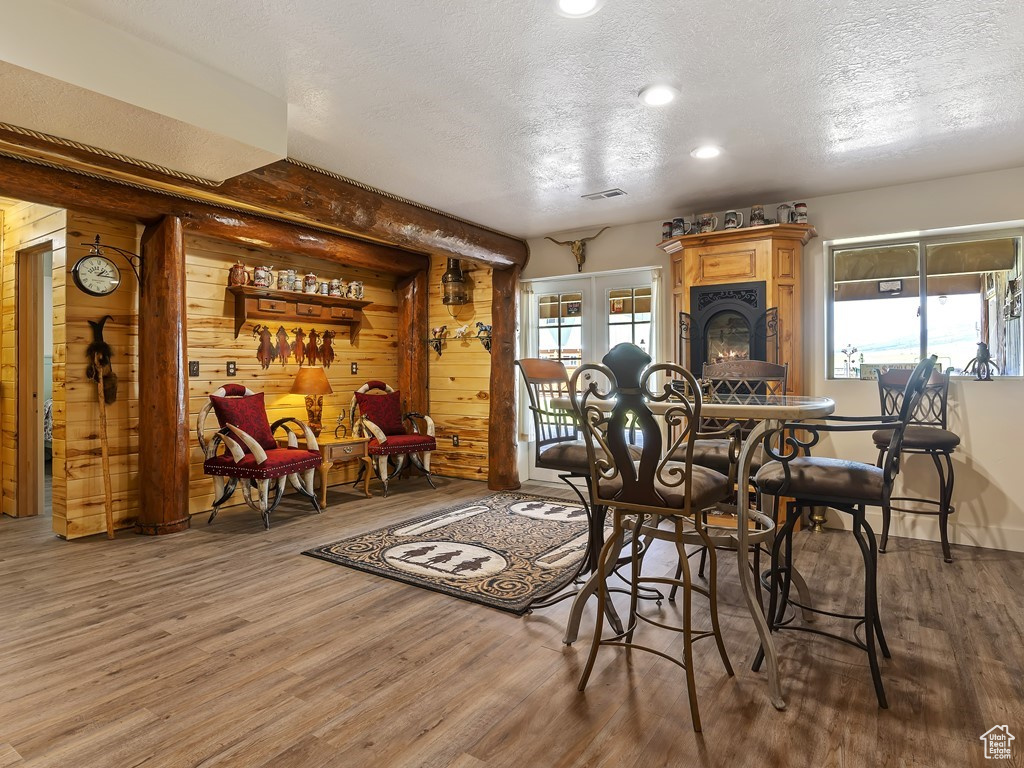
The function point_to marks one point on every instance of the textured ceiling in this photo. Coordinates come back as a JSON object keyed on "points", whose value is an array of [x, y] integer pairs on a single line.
{"points": [[505, 113]]}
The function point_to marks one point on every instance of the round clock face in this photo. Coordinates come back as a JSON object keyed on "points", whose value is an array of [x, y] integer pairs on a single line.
{"points": [[96, 275]]}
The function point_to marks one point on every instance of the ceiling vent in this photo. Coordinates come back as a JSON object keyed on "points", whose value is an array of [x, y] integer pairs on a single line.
{"points": [[604, 195]]}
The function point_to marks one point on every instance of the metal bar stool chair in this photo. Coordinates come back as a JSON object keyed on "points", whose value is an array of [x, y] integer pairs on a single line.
{"points": [[849, 487], [925, 434], [646, 493]]}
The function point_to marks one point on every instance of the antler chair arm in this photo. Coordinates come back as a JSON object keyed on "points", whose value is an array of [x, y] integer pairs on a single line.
{"points": [[364, 424], [255, 448], [293, 442], [222, 436], [429, 422]]}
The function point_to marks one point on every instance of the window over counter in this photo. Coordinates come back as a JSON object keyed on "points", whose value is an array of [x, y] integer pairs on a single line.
{"points": [[883, 314]]}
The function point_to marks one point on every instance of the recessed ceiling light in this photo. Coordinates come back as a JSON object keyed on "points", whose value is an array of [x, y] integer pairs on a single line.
{"points": [[576, 9], [658, 95], [706, 152]]}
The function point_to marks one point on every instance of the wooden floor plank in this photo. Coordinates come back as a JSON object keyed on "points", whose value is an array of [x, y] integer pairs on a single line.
{"points": [[224, 646]]}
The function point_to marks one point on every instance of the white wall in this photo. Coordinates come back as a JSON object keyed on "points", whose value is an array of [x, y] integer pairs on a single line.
{"points": [[989, 416]]}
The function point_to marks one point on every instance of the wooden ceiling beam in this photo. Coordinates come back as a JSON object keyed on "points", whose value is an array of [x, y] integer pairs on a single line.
{"points": [[296, 193], [66, 189]]}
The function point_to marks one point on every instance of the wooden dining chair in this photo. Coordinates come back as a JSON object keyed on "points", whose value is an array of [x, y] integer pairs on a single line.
{"points": [[647, 492]]}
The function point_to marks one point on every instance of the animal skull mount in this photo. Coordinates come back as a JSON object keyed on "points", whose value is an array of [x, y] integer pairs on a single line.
{"points": [[578, 247]]}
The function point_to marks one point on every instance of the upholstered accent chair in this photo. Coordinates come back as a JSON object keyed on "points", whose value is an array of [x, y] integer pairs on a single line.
{"points": [[252, 454], [376, 413]]}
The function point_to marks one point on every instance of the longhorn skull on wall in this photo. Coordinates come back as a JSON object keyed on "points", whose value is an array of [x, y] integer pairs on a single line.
{"points": [[578, 247]]}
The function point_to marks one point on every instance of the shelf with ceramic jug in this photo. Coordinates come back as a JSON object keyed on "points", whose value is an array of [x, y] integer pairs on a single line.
{"points": [[316, 308]]}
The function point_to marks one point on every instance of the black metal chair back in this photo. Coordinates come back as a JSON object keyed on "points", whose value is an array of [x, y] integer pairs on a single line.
{"points": [[738, 379], [931, 410]]}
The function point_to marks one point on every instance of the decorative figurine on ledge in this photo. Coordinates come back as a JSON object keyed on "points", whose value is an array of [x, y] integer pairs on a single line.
{"points": [[578, 248], [266, 353], [326, 350], [982, 364], [483, 332], [437, 337], [462, 332], [284, 348]]}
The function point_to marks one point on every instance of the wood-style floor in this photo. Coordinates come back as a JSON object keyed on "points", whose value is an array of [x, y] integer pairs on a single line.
{"points": [[223, 646]]}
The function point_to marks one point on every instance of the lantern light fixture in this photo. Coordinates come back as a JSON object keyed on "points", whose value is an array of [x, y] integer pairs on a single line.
{"points": [[454, 286]]}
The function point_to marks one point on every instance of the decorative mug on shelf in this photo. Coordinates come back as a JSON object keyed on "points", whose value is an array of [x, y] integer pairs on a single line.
{"points": [[756, 215], [325, 289], [800, 213], [309, 283], [237, 275], [667, 230], [708, 222], [289, 279], [263, 277], [355, 290], [733, 220], [337, 287], [785, 213]]}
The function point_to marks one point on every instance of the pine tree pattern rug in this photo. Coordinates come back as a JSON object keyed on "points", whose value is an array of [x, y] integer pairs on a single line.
{"points": [[503, 551]]}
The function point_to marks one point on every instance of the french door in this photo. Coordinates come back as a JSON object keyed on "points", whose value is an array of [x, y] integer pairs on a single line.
{"points": [[578, 319]]}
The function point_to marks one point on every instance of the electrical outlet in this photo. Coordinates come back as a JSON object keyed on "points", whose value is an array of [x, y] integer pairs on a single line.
{"points": [[355, 368], [193, 368], [230, 369], [455, 441]]}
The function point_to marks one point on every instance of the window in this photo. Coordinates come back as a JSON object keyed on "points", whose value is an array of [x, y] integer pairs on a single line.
{"points": [[883, 315], [629, 316], [560, 328]]}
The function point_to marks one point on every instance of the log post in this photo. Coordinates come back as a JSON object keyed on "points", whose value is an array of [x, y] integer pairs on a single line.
{"points": [[163, 395], [412, 337], [503, 427]]}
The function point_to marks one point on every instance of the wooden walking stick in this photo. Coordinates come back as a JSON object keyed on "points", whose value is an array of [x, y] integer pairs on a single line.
{"points": [[100, 371]]}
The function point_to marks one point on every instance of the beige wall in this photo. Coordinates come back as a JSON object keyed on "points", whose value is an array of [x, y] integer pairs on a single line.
{"points": [[988, 416]]}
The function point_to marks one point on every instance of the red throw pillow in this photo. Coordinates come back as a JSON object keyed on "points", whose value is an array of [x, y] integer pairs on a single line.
{"points": [[249, 414], [383, 410]]}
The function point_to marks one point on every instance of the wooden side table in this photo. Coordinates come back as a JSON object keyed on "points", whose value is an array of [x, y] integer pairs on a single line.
{"points": [[338, 450]]}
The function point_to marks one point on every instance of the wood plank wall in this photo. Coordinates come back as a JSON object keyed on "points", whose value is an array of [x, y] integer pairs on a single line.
{"points": [[212, 342], [460, 378], [78, 419], [24, 226]]}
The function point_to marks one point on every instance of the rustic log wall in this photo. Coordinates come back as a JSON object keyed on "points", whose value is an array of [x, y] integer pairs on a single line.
{"points": [[460, 378]]}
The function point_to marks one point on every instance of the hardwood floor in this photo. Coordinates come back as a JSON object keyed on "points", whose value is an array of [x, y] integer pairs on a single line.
{"points": [[223, 646]]}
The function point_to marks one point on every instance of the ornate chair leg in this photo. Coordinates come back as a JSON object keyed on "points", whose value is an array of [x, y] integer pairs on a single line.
{"points": [[871, 621], [713, 599], [945, 501], [691, 684], [381, 467], [608, 552], [416, 459]]}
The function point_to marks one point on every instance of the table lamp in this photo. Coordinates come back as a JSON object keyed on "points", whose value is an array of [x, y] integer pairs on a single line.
{"points": [[312, 382]]}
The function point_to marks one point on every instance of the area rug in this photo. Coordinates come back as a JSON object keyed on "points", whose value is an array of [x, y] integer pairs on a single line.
{"points": [[503, 551]]}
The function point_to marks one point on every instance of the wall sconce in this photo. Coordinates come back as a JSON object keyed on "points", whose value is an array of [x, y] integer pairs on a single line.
{"points": [[454, 287], [437, 337], [483, 332]]}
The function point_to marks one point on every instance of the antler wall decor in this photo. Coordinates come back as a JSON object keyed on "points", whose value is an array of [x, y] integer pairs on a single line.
{"points": [[578, 247]]}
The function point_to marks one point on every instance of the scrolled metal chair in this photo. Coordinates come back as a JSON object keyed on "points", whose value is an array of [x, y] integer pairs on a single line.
{"points": [[926, 434], [643, 493], [846, 486]]}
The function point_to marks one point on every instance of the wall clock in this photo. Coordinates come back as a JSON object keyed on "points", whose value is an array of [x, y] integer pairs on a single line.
{"points": [[96, 275]]}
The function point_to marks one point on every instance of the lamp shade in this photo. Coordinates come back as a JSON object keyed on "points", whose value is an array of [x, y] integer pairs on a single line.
{"points": [[311, 380]]}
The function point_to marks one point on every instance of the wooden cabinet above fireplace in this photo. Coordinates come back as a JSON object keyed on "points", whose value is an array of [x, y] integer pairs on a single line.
{"points": [[772, 254]]}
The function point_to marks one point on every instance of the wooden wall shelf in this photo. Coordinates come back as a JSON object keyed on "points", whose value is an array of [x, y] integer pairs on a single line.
{"points": [[268, 304]]}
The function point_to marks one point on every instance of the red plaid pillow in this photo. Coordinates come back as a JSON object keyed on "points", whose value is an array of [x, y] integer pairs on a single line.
{"points": [[383, 410], [249, 414]]}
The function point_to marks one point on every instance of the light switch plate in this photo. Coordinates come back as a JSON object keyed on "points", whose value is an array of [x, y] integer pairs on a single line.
{"points": [[230, 368], [193, 368]]}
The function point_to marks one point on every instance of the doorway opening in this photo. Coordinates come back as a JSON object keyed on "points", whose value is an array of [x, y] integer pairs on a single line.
{"points": [[34, 358]]}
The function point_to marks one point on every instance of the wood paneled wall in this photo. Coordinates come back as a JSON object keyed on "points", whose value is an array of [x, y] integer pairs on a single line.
{"points": [[26, 225], [83, 493], [460, 378], [212, 342]]}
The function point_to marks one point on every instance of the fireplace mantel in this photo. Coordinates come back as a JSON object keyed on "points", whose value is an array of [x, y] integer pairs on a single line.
{"points": [[772, 253]]}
